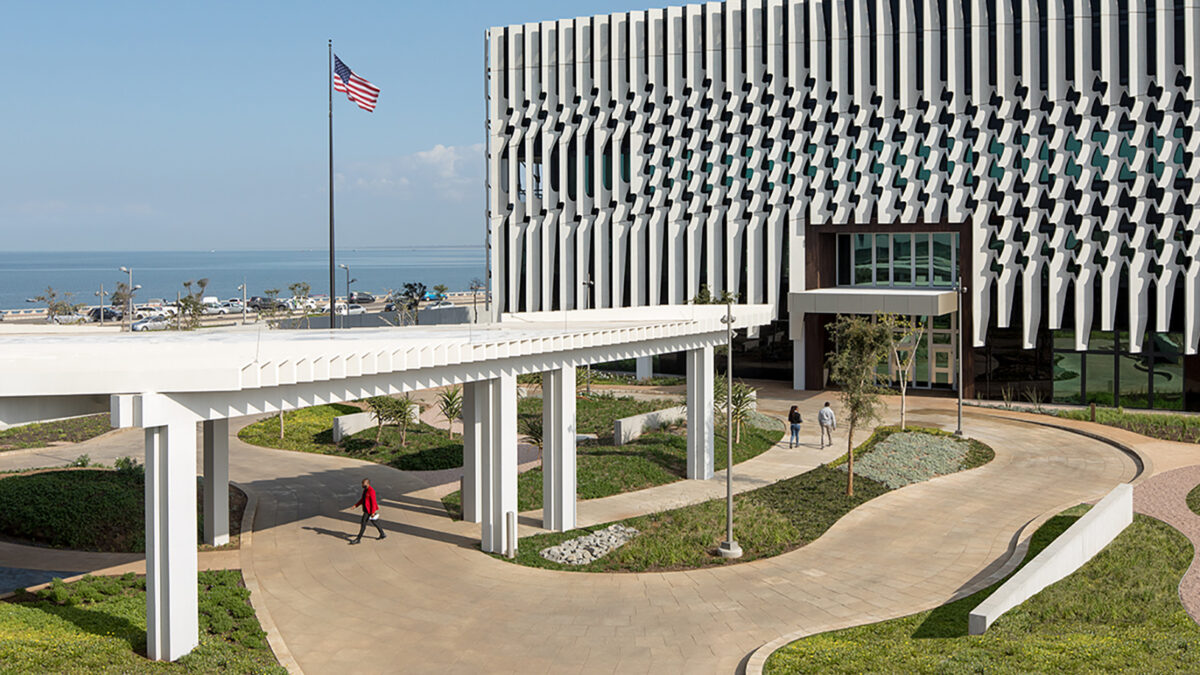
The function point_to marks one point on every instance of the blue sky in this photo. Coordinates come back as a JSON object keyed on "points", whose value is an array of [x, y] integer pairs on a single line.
{"points": [[195, 126]]}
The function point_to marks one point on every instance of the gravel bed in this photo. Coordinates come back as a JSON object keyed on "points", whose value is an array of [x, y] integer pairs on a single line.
{"points": [[591, 547], [908, 457]]}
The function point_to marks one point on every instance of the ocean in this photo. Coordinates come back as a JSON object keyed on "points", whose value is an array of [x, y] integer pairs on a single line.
{"points": [[161, 273]]}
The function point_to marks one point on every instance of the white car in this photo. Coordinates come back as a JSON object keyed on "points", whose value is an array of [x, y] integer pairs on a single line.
{"points": [[215, 309], [439, 304], [157, 322], [353, 310]]}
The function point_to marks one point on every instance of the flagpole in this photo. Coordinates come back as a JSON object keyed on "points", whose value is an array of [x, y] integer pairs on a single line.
{"points": [[332, 276]]}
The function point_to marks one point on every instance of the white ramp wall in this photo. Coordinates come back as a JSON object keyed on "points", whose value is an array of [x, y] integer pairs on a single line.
{"points": [[1083, 540]]}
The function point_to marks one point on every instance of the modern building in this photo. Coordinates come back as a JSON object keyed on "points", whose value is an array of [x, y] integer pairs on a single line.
{"points": [[855, 156]]}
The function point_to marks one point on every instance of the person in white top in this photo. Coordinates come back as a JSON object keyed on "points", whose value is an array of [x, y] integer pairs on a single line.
{"points": [[827, 422]]}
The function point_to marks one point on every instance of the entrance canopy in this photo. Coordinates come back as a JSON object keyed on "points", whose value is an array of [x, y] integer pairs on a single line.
{"points": [[910, 301]]}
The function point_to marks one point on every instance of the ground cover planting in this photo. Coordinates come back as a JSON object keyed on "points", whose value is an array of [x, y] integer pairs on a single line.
{"points": [[42, 434], [426, 448], [604, 469], [1164, 426], [89, 509], [98, 624], [1193, 500], [1118, 613], [770, 520]]}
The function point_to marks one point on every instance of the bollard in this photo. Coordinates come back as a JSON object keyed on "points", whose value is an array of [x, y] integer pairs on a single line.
{"points": [[1092, 408], [510, 551]]}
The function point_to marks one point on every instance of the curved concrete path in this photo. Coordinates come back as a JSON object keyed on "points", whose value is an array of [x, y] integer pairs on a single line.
{"points": [[426, 600], [1164, 497]]}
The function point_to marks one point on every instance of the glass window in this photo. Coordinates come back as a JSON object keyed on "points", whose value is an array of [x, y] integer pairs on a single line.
{"points": [[883, 257], [1100, 382], [902, 259], [921, 259], [862, 259], [844, 266], [1068, 376], [943, 259], [1168, 370]]}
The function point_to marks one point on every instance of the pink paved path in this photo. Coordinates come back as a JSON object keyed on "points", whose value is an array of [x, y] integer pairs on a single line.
{"points": [[1164, 497]]}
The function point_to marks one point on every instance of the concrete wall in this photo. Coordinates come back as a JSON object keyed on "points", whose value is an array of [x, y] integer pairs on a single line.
{"points": [[348, 425], [628, 428], [1083, 540]]}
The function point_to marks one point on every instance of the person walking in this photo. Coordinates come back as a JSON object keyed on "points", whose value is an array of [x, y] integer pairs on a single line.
{"points": [[827, 422], [370, 505], [794, 420]]}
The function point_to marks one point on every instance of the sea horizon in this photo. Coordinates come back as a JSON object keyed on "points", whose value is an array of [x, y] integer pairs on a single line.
{"points": [[161, 273]]}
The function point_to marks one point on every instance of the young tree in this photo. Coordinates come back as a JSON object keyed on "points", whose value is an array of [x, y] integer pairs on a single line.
{"points": [[411, 298], [300, 291], [404, 411], [123, 298], [477, 285], [441, 290], [191, 308], [382, 407], [860, 345], [743, 397], [904, 338], [704, 297], [270, 312], [450, 402], [57, 306]]}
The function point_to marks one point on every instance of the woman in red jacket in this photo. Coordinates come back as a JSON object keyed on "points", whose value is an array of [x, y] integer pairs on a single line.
{"points": [[370, 511]]}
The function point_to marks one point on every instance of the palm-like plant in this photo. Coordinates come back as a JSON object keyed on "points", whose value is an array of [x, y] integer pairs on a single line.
{"points": [[450, 403], [532, 428]]}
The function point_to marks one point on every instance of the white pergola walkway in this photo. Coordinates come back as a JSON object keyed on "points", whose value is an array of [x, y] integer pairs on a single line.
{"points": [[167, 383]]}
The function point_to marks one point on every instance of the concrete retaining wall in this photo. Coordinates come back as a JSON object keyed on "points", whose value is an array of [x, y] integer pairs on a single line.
{"points": [[1083, 540], [628, 428], [345, 426]]}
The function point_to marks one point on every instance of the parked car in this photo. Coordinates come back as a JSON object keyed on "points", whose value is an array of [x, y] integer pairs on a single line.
{"points": [[260, 303], [439, 304], [156, 322], [62, 319], [361, 297], [234, 301], [215, 309], [352, 310], [110, 314]]}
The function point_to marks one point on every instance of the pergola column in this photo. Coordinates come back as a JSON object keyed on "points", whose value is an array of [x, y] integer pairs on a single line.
{"points": [[558, 449], [645, 367], [172, 603], [474, 412], [498, 468], [216, 482], [700, 413]]}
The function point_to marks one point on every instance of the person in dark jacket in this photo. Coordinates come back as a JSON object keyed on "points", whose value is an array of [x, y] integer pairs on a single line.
{"points": [[370, 504], [794, 420]]}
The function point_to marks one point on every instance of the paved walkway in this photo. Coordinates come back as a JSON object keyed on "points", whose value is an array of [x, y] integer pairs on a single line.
{"points": [[426, 600], [1164, 497]]}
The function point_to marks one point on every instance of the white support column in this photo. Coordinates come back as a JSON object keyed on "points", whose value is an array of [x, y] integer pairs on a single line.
{"points": [[645, 367], [798, 367], [700, 413], [474, 412], [558, 449], [172, 604], [216, 482], [498, 468]]}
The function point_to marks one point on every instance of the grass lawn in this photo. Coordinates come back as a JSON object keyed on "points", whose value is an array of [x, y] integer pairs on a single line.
{"points": [[311, 430], [1118, 613], [88, 510], [596, 414], [769, 521], [40, 435], [1193, 500], [1165, 426], [98, 624]]}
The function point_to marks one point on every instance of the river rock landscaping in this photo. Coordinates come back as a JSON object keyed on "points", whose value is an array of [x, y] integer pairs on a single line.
{"points": [[591, 547]]}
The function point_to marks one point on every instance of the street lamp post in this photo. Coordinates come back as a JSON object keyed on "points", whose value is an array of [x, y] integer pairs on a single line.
{"points": [[242, 288], [729, 548], [346, 320], [100, 294], [959, 289], [591, 286]]}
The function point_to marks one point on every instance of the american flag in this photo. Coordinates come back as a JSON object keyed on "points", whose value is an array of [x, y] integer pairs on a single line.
{"points": [[356, 88]]}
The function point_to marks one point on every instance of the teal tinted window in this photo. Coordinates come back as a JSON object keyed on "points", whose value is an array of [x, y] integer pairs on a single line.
{"points": [[921, 259], [883, 256], [862, 259], [943, 259], [902, 259]]}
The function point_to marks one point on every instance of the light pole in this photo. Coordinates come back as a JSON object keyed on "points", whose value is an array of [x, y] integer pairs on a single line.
{"points": [[100, 294], [242, 288], [591, 286], [959, 289], [346, 321], [729, 548], [128, 297]]}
